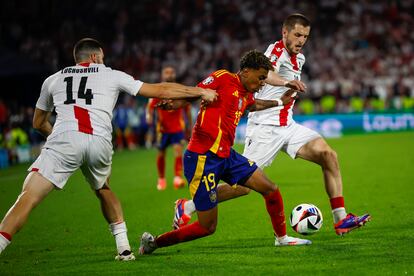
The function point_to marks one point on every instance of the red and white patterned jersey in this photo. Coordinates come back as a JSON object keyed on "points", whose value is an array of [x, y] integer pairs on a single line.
{"points": [[84, 97], [287, 66]]}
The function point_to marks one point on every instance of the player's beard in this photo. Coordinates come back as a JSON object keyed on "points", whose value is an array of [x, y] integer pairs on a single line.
{"points": [[289, 46]]}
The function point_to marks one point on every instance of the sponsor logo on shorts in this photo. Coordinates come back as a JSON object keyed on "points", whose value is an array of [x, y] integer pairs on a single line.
{"points": [[213, 196]]}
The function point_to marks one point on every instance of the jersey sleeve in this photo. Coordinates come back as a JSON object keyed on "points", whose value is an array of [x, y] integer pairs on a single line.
{"points": [[250, 100], [212, 81], [274, 58], [269, 50], [128, 84], [45, 101]]}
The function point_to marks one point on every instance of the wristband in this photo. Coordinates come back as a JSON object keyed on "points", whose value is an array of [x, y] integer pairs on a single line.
{"points": [[279, 102]]}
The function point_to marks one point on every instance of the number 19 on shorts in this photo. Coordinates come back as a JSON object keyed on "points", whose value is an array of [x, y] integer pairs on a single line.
{"points": [[209, 181]]}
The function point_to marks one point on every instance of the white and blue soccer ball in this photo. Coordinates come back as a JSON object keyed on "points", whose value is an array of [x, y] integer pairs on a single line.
{"points": [[306, 219]]}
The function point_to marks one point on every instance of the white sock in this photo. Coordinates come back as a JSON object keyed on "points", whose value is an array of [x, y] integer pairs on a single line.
{"points": [[119, 231], [3, 243], [338, 214], [189, 207]]}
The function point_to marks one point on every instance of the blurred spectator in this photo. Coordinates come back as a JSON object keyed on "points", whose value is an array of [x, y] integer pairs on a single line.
{"points": [[353, 44], [4, 154], [123, 134], [306, 106], [17, 143], [136, 121], [328, 103], [3, 115], [360, 55], [356, 104]]}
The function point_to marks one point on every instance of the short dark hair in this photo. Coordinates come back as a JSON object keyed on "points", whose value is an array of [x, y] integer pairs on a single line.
{"points": [[84, 47], [295, 18], [255, 60]]}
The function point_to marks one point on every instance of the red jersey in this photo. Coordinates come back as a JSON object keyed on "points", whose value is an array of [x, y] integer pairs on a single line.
{"points": [[216, 123], [169, 121]]}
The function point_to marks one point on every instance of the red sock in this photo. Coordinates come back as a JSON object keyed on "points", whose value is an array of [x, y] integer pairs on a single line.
{"points": [[130, 139], [119, 141], [161, 166], [178, 166], [274, 206], [337, 202], [187, 233], [6, 235]]}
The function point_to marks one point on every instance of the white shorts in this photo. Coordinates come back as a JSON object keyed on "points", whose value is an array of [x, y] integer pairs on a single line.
{"points": [[62, 155], [263, 142]]}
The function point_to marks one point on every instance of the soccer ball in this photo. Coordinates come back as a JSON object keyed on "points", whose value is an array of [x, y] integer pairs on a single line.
{"points": [[306, 219]]}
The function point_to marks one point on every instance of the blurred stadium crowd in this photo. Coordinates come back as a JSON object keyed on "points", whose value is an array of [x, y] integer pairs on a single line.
{"points": [[360, 54]]}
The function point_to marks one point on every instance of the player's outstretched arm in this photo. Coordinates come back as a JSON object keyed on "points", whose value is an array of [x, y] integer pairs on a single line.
{"points": [[173, 104], [275, 79], [41, 122], [286, 98], [169, 90]]}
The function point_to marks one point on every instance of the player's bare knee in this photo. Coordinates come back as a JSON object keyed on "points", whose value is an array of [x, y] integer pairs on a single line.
{"points": [[271, 187], [269, 191], [242, 191], [329, 157], [268, 188]]}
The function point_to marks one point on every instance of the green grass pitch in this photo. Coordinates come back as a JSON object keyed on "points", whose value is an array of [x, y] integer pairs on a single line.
{"points": [[68, 235]]}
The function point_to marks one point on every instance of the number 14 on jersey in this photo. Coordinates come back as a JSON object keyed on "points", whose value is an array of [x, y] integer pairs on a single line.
{"points": [[82, 93]]}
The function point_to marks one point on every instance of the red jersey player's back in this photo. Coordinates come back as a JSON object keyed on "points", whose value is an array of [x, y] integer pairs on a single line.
{"points": [[169, 121], [216, 123]]}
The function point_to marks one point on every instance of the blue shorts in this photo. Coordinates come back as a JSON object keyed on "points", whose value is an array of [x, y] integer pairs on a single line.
{"points": [[170, 139], [204, 171]]}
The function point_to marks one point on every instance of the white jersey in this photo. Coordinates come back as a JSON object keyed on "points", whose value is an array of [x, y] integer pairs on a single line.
{"points": [[288, 67], [84, 97]]}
